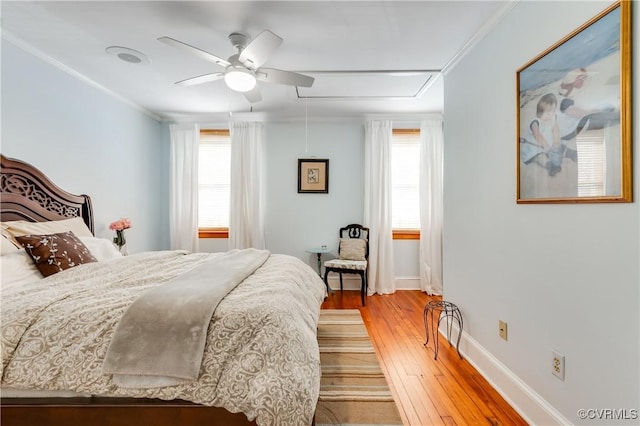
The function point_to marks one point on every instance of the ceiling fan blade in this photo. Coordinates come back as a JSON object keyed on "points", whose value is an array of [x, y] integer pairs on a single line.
{"points": [[253, 96], [260, 49], [198, 52], [272, 75], [201, 79]]}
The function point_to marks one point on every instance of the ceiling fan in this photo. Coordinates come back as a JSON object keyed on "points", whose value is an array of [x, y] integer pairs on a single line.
{"points": [[245, 67]]}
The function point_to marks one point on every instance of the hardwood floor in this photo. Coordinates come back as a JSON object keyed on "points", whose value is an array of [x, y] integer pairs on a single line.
{"points": [[446, 391]]}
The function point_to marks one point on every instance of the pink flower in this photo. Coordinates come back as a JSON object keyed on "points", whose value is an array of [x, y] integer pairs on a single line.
{"points": [[121, 224]]}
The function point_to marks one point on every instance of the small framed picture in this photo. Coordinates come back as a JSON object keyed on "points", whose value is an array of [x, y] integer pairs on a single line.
{"points": [[313, 176]]}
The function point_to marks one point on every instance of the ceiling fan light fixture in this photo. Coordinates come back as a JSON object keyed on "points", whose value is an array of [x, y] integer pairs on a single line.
{"points": [[240, 79]]}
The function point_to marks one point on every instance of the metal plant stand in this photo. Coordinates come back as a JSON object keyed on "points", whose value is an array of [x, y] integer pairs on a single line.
{"points": [[431, 325]]}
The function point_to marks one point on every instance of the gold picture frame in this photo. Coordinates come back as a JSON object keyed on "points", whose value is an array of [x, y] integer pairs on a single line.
{"points": [[574, 125], [313, 176]]}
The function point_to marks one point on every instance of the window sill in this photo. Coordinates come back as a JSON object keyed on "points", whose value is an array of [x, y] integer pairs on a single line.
{"points": [[213, 233], [406, 234], [398, 234]]}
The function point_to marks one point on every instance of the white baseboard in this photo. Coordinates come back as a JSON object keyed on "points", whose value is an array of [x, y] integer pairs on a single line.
{"points": [[528, 403], [352, 282], [407, 283], [349, 282]]}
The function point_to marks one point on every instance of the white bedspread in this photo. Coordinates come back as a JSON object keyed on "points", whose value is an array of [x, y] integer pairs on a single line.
{"points": [[261, 356]]}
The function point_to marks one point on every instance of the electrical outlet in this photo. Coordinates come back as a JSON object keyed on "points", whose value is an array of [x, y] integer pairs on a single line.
{"points": [[502, 329], [558, 365]]}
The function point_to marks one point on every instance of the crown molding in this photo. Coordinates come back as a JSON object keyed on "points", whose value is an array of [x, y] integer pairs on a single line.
{"points": [[222, 119], [23, 45], [479, 35]]}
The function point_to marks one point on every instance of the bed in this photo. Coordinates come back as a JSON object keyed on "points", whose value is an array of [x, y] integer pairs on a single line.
{"points": [[260, 362]]}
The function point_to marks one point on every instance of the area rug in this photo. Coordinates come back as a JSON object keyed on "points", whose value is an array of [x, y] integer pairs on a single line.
{"points": [[353, 389]]}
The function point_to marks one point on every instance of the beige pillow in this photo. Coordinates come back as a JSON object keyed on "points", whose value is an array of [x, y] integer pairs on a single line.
{"points": [[7, 245], [22, 227], [17, 269], [352, 248], [55, 252]]}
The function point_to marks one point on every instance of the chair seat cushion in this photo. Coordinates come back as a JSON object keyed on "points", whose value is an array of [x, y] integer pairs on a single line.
{"points": [[355, 265]]}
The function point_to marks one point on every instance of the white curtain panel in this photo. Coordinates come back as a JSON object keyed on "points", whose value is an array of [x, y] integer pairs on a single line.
{"points": [[431, 169], [377, 206], [183, 195], [246, 222]]}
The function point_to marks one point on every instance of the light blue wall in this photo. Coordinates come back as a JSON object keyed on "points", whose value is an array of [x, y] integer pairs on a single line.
{"points": [[295, 222], [89, 142], [565, 277]]}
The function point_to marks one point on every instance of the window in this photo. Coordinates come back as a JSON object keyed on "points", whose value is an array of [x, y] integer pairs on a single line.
{"points": [[214, 183], [405, 183], [591, 163]]}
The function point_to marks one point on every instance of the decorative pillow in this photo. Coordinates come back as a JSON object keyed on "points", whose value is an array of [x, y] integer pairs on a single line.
{"points": [[352, 248], [56, 252]]}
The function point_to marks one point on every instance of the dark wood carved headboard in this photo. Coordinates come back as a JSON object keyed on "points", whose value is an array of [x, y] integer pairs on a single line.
{"points": [[27, 194]]}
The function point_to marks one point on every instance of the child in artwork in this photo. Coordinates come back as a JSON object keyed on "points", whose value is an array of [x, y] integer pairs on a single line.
{"points": [[572, 120], [543, 145]]}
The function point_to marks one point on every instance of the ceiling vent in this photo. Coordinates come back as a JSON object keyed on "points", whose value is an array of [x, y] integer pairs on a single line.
{"points": [[128, 55]]}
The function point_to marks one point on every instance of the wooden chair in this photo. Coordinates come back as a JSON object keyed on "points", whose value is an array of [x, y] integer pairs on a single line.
{"points": [[353, 256]]}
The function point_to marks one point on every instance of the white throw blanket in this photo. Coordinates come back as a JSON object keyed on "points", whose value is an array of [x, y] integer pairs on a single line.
{"points": [[160, 339]]}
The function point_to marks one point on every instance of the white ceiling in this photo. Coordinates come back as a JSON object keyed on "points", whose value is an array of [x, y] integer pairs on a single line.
{"points": [[319, 36]]}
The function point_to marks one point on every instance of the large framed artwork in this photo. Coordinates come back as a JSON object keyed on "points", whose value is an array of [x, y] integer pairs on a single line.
{"points": [[574, 116], [313, 176]]}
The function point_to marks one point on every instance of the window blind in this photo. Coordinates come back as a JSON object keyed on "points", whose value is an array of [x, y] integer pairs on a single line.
{"points": [[214, 180], [591, 163], [405, 180]]}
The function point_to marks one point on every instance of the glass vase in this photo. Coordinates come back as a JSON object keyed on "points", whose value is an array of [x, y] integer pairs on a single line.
{"points": [[120, 241]]}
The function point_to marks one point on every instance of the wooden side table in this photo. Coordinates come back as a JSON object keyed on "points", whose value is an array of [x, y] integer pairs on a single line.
{"points": [[443, 310]]}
